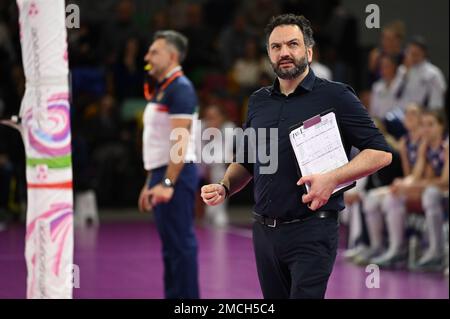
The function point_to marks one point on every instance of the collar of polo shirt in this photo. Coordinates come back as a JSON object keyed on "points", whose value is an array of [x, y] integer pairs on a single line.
{"points": [[306, 85]]}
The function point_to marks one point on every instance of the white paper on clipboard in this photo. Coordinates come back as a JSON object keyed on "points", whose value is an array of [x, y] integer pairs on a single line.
{"points": [[319, 147]]}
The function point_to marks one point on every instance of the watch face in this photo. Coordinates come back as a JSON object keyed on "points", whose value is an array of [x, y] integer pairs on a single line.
{"points": [[167, 182]]}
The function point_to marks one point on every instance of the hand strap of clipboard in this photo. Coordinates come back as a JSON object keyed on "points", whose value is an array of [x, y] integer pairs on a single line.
{"points": [[312, 121]]}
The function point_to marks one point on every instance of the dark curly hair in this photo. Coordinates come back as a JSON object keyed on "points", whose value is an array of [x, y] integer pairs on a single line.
{"points": [[292, 19]]}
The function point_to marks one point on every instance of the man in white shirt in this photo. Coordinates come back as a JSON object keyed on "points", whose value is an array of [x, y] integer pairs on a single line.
{"points": [[421, 82], [382, 99], [172, 175]]}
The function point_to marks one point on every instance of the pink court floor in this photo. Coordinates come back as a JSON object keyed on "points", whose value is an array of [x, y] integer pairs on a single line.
{"points": [[123, 260]]}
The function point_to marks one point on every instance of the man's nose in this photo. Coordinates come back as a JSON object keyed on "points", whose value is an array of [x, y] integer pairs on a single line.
{"points": [[284, 52]]}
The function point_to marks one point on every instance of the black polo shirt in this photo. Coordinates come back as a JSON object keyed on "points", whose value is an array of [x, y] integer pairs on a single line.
{"points": [[277, 194]]}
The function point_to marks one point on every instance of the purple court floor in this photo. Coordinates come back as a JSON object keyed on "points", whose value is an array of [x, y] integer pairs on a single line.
{"points": [[123, 260]]}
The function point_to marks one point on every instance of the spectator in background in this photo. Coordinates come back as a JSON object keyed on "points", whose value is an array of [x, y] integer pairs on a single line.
{"points": [[248, 69], [352, 216], [110, 157], [421, 81], [232, 41], [118, 31], [434, 158], [128, 74], [340, 37], [409, 143], [382, 98], [177, 14], [433, 206], [258, 12], [102, 122], [83, 45], [320, 70], [359, 241], [391, 44], [159, 21], [373, 203], [408, 194], [201, 51]]}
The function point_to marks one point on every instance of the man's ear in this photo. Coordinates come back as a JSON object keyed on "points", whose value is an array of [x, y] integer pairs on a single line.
{"points": [[174, 56], [309, 54]]}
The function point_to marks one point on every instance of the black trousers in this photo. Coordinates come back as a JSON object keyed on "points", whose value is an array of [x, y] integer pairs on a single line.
{"points": [[295, 260]]}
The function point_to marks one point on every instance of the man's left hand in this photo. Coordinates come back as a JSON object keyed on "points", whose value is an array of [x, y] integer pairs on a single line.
{"points": [[321, 186], [160, 194]]}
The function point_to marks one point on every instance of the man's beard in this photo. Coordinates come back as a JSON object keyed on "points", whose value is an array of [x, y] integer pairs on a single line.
{"points": [[300, 66]]}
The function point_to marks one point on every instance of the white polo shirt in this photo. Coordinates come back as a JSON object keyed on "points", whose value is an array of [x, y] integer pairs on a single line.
{"points": [[178, 99]]}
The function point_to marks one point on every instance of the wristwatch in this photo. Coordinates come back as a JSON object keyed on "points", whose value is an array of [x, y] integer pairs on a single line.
{"points": [[167, 182], [227, 190]]}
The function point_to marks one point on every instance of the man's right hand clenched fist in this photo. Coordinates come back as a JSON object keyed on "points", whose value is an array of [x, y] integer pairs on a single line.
{"points": [[213, 194]]}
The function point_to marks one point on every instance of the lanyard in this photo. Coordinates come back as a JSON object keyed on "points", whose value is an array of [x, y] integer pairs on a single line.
{"points": [[150, 93]]}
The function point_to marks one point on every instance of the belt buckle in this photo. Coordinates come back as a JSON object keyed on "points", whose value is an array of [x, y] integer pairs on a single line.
{"points": [[271, 225]]}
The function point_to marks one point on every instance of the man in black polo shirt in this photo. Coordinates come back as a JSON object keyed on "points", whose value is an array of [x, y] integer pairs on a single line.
{"points": [[295, 234]]}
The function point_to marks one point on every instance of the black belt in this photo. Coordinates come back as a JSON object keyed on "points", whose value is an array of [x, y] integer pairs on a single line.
{"points": [[274, 222]]}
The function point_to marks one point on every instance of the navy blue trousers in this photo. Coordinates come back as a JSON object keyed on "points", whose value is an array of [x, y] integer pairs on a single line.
{"points": [[295, 260], [175, 224]]}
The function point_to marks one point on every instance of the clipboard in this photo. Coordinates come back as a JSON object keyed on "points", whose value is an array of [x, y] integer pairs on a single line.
{"points": [[318, 147]]}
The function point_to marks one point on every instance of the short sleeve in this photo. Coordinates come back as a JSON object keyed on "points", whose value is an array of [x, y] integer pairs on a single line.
{"points": [[357, 127], [243, 145], [182, 101]]}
